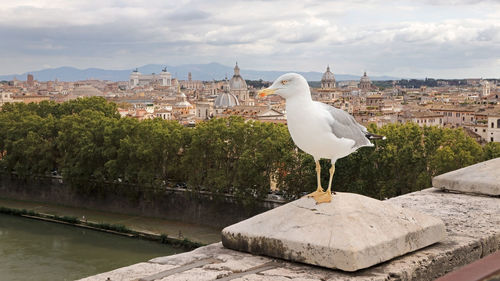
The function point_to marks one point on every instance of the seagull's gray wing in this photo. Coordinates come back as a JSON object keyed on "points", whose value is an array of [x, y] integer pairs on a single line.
{"points": [[343, 125]]}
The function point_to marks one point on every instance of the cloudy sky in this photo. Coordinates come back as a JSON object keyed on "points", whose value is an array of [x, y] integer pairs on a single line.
{"points": [[424, 38]]}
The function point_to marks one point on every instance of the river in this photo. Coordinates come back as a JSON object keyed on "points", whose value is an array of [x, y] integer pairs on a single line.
{"points": [[193, 232], [38, 250]]}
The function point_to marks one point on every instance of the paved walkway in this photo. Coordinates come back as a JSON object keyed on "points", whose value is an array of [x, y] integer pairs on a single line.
{"points": [[193, 232]]}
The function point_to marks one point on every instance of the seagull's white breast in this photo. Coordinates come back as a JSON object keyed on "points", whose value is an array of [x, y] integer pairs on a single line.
{"points": [[309, 126]]}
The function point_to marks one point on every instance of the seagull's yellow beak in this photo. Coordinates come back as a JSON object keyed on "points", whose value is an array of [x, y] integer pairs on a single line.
{"points": [[266, 92]]}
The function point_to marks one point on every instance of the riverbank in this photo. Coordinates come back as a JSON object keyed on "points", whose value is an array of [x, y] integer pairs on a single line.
{"points": [[142, 226], [173, 204], [41, 250]]}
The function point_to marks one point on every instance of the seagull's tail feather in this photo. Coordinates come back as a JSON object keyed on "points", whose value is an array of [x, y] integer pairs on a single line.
{"points": [[371, 136]]}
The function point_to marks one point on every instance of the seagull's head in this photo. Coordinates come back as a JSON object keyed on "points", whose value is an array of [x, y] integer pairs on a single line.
{"points": [[287, 85]]}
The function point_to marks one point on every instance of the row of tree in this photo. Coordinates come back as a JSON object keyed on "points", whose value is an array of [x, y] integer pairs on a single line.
{"points": [[87, 142]]}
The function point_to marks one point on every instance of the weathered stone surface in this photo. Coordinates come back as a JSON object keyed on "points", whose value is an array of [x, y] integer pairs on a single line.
{"points": [[129, 273], [350, 233], [200, 273], [472, 224], [483, 178]]}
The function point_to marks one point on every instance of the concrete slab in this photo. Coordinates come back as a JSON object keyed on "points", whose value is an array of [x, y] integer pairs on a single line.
{"points": [[482, 178], [350, 233]]}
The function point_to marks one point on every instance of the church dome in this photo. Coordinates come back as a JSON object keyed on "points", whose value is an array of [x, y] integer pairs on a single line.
{"points": [[237, 82], [182, 100], [365, 78], [183, 104], [364, 82], [226, 100], [328, 75]]}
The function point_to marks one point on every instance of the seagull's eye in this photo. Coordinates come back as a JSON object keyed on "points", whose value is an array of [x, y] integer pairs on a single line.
{"points": [[284, 82]]}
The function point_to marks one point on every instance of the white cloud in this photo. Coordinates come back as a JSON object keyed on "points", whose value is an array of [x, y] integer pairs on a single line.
{"points": [[404, 38]]}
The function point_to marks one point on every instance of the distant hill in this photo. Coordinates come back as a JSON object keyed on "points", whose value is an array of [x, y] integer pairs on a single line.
{"points": [[204, 72]]}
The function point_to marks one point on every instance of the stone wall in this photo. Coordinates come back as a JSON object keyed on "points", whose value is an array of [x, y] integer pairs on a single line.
{"points": [[473, 232], [199, 208]]}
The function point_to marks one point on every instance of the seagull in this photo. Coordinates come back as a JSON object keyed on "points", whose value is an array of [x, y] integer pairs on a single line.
{"points": [[321, 130]]}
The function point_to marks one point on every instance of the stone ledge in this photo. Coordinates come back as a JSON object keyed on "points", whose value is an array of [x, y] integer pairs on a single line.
{"points": [[482, 178], [350, 233], [473, 231]]}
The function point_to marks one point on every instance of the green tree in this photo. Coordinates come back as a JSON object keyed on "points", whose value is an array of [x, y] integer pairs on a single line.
{"points": [[150, 152], [84, 147], [491, 150]]}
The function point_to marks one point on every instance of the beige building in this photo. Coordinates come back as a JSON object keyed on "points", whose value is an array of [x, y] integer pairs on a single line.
{"points": [[493, 130], [481, 130], [455, 116], [164, 113], [204, 110], [427, 119], [5, 97]]}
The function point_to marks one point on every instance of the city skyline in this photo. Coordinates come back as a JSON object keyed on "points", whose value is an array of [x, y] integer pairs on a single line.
{"points": [[440, 39]]}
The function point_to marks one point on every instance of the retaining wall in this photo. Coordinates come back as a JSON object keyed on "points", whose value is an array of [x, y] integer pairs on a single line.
{"points": [[199, 208]]}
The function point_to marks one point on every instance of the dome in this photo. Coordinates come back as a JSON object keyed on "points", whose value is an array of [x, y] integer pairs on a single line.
{"points": [[364, 82], [87, 91], [365, 78], [328, 75], [183, 104], [182, 100], [237, 82], [226, 100]]}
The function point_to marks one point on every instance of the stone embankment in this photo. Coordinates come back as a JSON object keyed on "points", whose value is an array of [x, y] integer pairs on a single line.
{"points": [[472, 224], [197, 207]]}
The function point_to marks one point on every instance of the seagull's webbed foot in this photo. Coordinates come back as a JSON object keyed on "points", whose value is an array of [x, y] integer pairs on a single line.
{"points": [[326, 197], [319, 191], [316, 193]]}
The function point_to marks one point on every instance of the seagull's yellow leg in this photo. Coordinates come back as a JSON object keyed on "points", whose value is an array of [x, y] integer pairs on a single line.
{"points": [[327, 196], [319, 191]]}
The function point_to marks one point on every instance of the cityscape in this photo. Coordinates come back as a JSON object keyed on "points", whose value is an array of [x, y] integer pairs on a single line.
{"points": [[471, 104], [250, 140]]}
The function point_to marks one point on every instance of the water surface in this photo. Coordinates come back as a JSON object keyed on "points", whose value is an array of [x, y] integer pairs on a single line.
{"points": [[38, 250]]}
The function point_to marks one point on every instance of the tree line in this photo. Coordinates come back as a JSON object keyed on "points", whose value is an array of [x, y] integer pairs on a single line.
{"points": [[95, 150]]}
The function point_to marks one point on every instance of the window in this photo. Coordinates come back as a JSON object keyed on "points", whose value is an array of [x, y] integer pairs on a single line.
{"points": [[484, 130], [492, 139], [498, 123], [457, 114], [492, 125], [475, 130]]}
